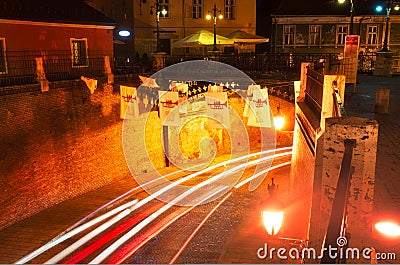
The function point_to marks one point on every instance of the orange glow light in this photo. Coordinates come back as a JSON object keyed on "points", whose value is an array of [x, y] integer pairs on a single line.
{"points": [[388, 229], [272, 221]]}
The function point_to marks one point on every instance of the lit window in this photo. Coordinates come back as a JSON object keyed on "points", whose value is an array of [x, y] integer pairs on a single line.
{"points": [[3, 65], [372, 34], [342, 32], [315, 35], [230, 9], [288, 35], [164, 4], [79, 52], [197, 9]]}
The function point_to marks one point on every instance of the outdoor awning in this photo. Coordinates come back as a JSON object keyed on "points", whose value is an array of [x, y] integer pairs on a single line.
{"points": [[242, 37], [202, 37]]}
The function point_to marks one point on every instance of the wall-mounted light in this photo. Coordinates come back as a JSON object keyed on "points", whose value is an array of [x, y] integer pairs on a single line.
{"points": [[124, 33], [388, 228], [272, 214], [279, 120]]}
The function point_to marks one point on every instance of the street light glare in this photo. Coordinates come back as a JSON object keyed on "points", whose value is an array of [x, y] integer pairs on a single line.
{"points": [[378, 8], [220, 16], [388, 228], [164, 12], [208, 17], [341, 1], [397, 8]]}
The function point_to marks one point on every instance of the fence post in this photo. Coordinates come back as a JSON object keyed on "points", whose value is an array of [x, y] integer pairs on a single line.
{"points": [[107, 68], [40, 75]]}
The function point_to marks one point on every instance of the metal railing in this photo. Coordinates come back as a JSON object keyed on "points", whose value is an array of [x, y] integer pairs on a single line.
{"points": [[58, 65]]}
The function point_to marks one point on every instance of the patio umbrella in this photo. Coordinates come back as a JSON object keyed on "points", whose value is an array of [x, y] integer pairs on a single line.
{"points": [[202, 37], [242, 37]]}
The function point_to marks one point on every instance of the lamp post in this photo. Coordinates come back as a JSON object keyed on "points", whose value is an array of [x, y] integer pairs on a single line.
{"points": [[158, 10], [388, 8], [214, 12], [351, 14]]}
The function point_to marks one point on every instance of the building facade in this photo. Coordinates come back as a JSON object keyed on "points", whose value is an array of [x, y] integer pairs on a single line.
{"points": [[321, 27], [183, 18]]}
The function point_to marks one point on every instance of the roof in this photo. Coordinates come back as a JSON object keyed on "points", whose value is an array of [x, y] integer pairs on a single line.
{"points": [[53, 11], [242, 36], [325, 8]]}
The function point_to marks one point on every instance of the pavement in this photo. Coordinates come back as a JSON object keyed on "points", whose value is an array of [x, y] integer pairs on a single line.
{"points": [[29, 234]]}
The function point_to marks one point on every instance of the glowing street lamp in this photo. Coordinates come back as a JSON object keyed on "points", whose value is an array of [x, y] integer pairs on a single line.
{"points": [[351, 13], [388, 228], [158, 11], [214, 12], [279, 120], [388, 7], [272, 214]]}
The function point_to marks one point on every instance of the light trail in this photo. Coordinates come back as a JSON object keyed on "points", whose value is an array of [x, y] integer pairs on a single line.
{"points": [[74, 232], [64, 236], [111, 235], [117, 244], [102, 256], [198, 228], [140, 241], [240, 184]]}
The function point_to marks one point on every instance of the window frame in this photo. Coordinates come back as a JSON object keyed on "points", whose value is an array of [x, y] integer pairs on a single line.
{"points": [[372, 33], [344, 34], [74, 65], [318, 34], [293, 34], [197, 9], [4, 57], [230, 9]]}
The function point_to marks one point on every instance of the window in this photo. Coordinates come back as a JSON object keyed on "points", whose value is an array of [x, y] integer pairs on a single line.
{"points": [[288, 35], [3, 65], [79, 52], [164, 4], [342, 31], [197, 9], [230, 8], [372, 34], [314, 35]]}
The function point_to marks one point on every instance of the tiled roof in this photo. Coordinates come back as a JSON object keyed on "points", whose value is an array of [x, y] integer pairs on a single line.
{"points": [[325, 8], [56, 11]]}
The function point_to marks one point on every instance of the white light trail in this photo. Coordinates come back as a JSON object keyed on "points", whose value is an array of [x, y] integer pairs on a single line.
{"points": [[74, 232], [240, 184], [103, 255]]}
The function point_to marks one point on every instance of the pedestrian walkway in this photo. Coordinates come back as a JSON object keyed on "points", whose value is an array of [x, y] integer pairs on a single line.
{"points": [[29, 234]]}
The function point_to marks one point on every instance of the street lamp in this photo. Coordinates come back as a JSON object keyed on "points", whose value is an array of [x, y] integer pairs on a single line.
{"points": [[158, 10], [279, 119], [214, 12], [351, 13], [388, 7], [272, 214]]}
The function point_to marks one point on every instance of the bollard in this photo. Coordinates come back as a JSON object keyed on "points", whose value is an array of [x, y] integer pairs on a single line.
{"points": [[382, 100]]}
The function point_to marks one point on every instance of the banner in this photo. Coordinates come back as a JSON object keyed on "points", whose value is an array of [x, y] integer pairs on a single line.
{"points": [[129, 103], [260, 114], [91, 83], [217, 108], [249, 94], [351, 58], [169, 114]]}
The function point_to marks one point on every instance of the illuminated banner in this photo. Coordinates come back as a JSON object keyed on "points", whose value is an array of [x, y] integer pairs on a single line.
{"points": [[129, 103], [249, 97], [259, 115], [168, 102], [217, 109], [351, 58]]}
